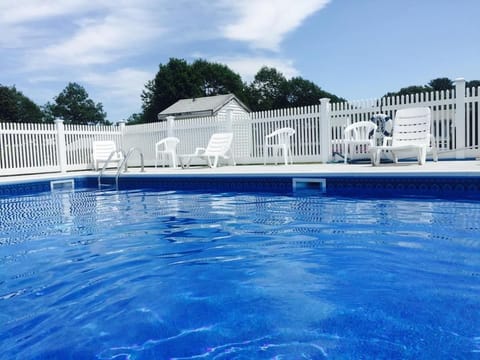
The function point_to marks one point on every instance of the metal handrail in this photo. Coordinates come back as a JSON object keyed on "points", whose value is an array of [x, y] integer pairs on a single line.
{"points": [[105, 165], [125, 163]]}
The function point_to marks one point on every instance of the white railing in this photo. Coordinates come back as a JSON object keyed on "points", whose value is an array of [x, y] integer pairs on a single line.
{"points": [[35, 148], [441, 103], [28, 148], [144, 137], [78, 143]]}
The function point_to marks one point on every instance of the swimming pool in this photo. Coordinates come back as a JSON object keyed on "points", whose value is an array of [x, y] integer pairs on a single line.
{"points": [[141, 274]]}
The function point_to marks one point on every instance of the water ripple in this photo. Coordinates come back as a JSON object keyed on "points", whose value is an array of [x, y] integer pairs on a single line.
{"points": [[143, 275]]}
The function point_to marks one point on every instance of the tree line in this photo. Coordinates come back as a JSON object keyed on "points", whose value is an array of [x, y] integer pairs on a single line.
{"points": [[73, 105], [178, 79]]}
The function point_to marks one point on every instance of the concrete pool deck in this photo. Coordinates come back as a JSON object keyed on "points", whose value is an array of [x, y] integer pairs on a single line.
{"points": [[470, 168]]}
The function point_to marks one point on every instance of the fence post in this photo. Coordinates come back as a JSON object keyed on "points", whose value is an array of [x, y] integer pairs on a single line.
{"points": [[459, 121], [121, 126], [229, 128], [325, 130], [61, 147], [170, 125]]}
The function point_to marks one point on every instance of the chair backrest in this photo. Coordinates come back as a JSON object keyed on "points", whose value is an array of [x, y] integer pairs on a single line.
{"points": [[360, 131], [219, 144], [167, 144], [280, 136], [412, 127], [102, 149]]}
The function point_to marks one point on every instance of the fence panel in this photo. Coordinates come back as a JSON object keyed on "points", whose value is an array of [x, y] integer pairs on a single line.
{"points": [[33, 148], [28, 148], [144, 137], [306, 143], [79, 139], [442, 105], [472, 108]]}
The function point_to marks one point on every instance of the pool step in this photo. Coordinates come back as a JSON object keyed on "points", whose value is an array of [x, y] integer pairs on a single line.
{"points": [[106, 185]]}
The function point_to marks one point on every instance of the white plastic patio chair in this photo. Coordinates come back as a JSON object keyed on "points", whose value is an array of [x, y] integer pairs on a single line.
{"points": [[106, 150], [279, 141], [358, 139], [219, 147], [411, 131], [165, 149]]}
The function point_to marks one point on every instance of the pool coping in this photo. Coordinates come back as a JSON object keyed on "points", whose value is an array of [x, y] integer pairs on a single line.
{"points": [[443, 179], [442, 169]]}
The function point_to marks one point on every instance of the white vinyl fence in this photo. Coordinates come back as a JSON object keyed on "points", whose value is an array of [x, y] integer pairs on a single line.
{"points": [[36, 148]]}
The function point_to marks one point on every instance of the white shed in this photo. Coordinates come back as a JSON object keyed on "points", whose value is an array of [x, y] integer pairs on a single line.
{"points": [[205, 106]]}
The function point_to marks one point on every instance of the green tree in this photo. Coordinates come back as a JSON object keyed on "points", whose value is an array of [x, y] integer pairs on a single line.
{"points": [[440, 84], [271, 90], [216, 79], [301, 92], [267, 90], [74, 106], [16, 107], [179, 80], [135, 119], [410, 90], [473, 83], [173, 81]]}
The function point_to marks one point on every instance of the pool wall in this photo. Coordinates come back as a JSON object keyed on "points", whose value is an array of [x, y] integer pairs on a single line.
{"points": [[464, 187]]}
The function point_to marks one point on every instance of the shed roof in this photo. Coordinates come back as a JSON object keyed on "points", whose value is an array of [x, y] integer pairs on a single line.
{"points": [[204, 106]]}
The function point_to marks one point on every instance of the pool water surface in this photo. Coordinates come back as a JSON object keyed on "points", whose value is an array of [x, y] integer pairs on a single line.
{"points": [[184, 275]]}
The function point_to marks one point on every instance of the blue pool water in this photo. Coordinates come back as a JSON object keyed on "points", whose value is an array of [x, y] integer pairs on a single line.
{"points": [[185, 275]]}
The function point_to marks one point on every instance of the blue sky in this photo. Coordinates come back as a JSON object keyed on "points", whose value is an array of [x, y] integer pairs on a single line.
{"points": [[356, 49]]}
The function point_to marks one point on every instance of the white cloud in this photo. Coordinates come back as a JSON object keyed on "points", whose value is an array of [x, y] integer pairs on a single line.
{"points": [[125, 83], [247, 67], [265, 23], [105, 44], [14, 12], [118, 34], [120, 89]]}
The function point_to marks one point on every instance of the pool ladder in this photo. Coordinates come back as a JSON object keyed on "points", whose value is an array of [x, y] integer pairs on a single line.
{"points": [[123, 164]]}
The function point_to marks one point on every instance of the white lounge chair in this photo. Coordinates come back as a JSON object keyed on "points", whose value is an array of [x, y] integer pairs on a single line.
{"points": [[411, 131], [167, 148], [358, 139], [106, 150], [279, 141], [219, 146]]}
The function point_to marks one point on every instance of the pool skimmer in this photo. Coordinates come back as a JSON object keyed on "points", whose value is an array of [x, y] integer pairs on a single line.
{"points": [[309, 185]]}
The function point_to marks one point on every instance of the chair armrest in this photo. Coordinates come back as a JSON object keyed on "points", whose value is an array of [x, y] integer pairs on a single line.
{"points": [[199, 150], [386, 140]]}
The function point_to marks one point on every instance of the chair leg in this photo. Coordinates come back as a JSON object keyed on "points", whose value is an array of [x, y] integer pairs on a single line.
{"points": [[174, 160], [345, 155], [434, 154], [395, 157], [377, 157], [209, 162], [422, 156]]}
